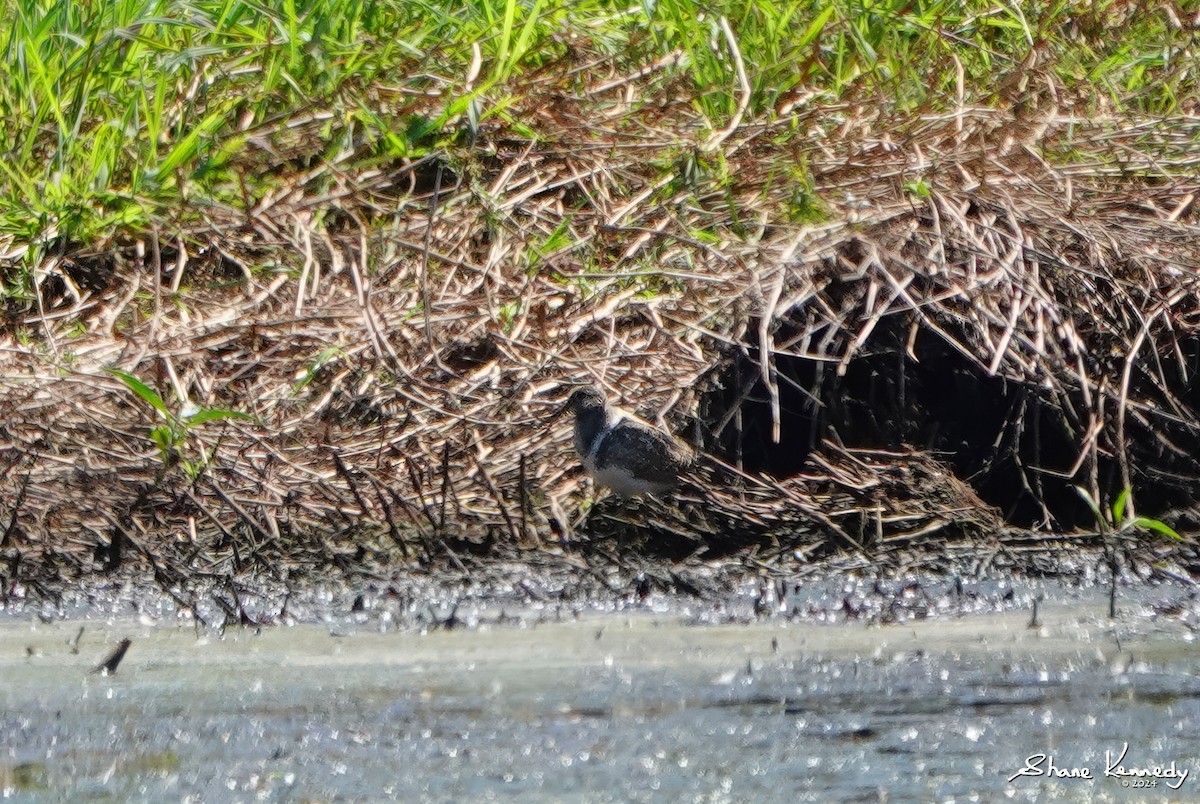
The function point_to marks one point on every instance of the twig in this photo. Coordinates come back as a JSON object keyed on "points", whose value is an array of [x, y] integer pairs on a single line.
{"points": [[718, 137]]}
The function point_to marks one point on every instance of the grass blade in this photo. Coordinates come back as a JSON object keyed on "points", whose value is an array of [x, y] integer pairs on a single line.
{"points": [[1118, 506], [1155, 525], [147, 394]]}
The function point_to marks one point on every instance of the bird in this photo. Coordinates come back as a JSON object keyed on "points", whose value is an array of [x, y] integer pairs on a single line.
{"points": [[621, 453]]}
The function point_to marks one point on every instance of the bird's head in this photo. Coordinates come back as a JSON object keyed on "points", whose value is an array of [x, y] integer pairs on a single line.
{"points": [[585, 398]]}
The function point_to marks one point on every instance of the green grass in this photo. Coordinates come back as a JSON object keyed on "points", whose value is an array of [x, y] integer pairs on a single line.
{"points": [[119, 116], [172, 434]]}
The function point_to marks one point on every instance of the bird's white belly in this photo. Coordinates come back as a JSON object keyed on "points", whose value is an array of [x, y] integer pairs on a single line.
{"points": [[623, 482]]}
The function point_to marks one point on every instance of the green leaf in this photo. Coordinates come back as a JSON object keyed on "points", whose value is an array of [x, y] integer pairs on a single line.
{"points": [[163, 438], [527, 31], [816, 26], [148, 394], [918, 188], [1155, 525], [186, 149], [1118, 506], [510, 14]]}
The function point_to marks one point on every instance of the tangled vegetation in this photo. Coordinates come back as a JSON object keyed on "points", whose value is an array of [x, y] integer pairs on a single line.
{"points": [[945, 253]]}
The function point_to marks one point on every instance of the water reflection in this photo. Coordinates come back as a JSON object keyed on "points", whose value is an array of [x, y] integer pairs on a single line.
{"points": [[636, 707]]}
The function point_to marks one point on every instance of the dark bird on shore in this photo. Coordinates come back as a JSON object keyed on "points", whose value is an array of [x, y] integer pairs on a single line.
{"points": [[109, 665], [622, 453]]}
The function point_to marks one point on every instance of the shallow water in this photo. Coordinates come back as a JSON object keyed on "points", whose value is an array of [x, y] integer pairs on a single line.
{"points": [[624, 706]]}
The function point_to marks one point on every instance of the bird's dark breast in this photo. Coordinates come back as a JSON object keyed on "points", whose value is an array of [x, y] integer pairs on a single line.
{"points": [[589, 423]]}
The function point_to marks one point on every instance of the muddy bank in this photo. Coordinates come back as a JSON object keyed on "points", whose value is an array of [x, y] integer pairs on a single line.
{"points": [[561, 586]]}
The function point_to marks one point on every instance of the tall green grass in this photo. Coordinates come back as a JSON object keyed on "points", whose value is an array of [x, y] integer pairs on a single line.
{"points": [[114, 115]]}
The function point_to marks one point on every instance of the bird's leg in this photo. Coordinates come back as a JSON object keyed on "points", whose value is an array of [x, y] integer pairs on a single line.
{"points": [[585, 510], [590, 502]]}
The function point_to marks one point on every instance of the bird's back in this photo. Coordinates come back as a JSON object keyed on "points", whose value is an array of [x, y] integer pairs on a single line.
{"points": [[632, 458]]}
